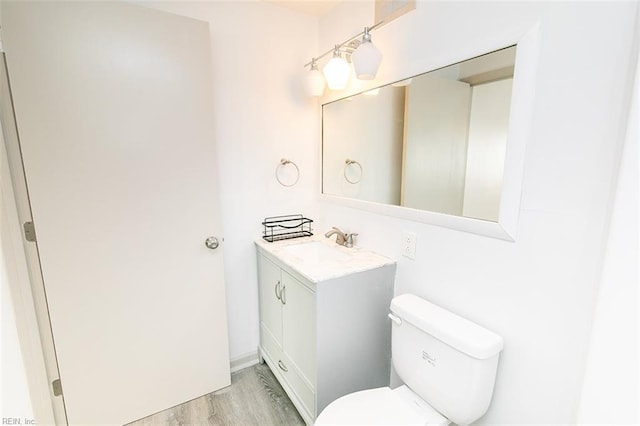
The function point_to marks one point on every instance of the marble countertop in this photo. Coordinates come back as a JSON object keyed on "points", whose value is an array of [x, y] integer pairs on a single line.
{"points": [[338, 262]]}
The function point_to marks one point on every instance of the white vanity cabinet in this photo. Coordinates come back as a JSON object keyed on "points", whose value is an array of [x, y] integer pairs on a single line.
{"points": [[288, 330], [324, 338]]}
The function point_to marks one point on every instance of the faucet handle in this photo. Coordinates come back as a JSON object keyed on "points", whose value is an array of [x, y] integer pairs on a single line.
{"points": [[348, 239]]}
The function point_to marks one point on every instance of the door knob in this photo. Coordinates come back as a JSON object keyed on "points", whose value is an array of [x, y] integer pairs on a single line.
{"points": [[211, 243]]}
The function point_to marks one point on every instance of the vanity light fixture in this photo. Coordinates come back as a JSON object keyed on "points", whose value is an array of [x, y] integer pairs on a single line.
{"points": [[366, 58], [314, 80], [337, 71]]}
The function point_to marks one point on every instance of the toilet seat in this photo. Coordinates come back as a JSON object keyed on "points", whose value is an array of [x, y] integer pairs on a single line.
{"points": [[381, 406]]}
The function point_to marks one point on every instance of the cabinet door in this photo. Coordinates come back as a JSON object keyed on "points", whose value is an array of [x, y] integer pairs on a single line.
{"points": [[299, 327], [270, 287]]}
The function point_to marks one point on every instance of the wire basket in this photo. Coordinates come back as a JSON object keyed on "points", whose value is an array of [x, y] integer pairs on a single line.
{"points": [[278, 228]]}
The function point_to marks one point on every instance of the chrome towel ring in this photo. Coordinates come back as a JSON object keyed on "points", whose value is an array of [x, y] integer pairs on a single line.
{"points": [[284, 162], [348, 163]]}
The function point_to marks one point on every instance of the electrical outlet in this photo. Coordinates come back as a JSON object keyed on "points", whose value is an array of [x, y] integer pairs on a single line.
{"points": [[408, 247]]}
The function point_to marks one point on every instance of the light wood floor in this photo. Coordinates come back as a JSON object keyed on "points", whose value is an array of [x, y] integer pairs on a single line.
{"points": [[254, 398]]}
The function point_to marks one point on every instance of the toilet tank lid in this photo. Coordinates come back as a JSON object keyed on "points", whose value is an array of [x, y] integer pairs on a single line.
{"points": [[455, 331]]}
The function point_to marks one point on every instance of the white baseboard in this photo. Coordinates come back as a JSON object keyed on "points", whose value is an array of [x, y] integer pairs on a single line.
{"points": [[244, 361]]}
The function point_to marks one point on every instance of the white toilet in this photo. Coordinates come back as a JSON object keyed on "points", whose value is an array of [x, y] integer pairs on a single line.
{"points": [[448, 365]]}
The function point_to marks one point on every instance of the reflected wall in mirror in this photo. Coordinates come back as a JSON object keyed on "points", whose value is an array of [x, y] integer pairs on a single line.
{"points": [[434, 142]]}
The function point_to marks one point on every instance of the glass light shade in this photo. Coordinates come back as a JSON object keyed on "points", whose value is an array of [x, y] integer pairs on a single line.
{"points": [[314, 82], [366, 60], [337, 73]]}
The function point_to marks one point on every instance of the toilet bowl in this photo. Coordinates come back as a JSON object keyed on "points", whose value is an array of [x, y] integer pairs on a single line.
{"points": [[448, 365], [381, 406]]}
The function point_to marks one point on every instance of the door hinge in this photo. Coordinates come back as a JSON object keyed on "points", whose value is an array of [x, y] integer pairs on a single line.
{"points": [[29, 232], [57, 387]]}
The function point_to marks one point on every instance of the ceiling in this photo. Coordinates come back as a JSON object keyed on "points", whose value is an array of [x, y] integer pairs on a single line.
{"points": [[310, 7]]}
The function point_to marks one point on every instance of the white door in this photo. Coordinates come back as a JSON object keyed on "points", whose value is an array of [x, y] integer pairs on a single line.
{"points": [[435, 144], [45, 408], [113, 108]]}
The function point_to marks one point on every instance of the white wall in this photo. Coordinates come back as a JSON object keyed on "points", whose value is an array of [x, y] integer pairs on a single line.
{"points": [[539, 293], [260, 115], [611, 392]]}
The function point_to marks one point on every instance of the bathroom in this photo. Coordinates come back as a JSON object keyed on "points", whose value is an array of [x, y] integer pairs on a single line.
{"points": [[563, 295]]}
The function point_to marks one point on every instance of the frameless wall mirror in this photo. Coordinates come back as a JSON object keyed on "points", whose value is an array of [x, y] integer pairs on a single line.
{"points": [[434, 143]]}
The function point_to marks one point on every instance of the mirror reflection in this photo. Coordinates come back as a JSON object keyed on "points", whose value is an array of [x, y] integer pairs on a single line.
{"points": [[433, 142]]}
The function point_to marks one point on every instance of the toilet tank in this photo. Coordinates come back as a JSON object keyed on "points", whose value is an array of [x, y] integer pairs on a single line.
{"points": [[448, 361]]}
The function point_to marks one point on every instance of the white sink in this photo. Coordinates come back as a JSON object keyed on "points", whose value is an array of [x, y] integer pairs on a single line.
{"points": [[315, 252], [319, 259]]}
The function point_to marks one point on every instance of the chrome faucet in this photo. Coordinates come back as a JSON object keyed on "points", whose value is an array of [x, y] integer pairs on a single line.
{"points": [[342, 238]]}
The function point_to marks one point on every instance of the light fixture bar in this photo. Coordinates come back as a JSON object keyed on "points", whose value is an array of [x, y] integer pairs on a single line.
{"points": [[361, 33]]}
